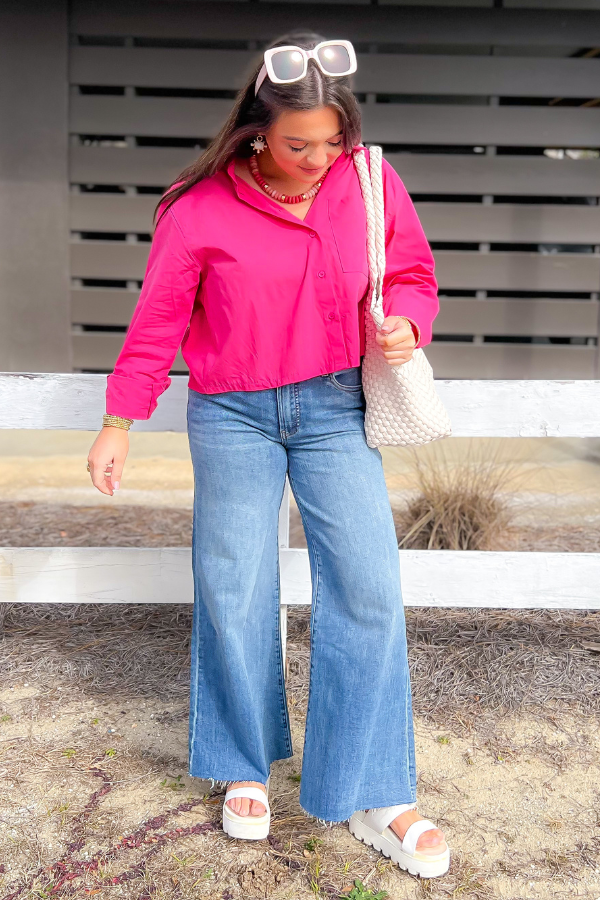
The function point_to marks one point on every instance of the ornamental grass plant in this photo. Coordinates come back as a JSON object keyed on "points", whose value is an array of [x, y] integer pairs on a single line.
{"points": [[460, 503]]}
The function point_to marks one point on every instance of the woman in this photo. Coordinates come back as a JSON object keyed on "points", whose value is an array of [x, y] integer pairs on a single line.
{"points": [[258, 268]]}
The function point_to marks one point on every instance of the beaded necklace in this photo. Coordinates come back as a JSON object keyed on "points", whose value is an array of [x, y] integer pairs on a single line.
{"points": [[283, 198]]}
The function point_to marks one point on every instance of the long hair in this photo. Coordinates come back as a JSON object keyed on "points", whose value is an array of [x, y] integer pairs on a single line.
{"points": [[252, 115]]}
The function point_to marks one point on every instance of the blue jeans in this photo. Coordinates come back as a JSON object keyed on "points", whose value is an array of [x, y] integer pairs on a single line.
{"points": [[359, 742]]}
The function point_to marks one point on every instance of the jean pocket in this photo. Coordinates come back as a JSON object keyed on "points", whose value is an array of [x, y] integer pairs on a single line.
{"points": [[347, 379]]}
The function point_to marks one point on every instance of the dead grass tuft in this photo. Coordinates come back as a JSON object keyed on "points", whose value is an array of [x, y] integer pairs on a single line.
{"points": [[458, 506]]}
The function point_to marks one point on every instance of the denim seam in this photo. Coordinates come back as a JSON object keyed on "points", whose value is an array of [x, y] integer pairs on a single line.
{"points": [[351, 388], [297, 405], [195, 662], [347, 388], [280, 661], [314, 610], [315, 601]]}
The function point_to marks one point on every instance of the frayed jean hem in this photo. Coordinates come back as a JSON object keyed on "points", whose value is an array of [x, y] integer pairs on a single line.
{"points": [[221, 783], [326, 823], [330, 821]]}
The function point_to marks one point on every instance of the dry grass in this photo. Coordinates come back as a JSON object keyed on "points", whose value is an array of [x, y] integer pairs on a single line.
{"points": [[458, 506], [465, 663]]}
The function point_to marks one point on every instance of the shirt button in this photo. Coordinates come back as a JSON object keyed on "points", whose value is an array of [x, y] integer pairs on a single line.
{"points": [[313, 233], [331, 316], [321, 274]]}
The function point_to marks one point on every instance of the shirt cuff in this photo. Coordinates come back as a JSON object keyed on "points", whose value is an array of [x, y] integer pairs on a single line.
{"points": [[133, 398]]}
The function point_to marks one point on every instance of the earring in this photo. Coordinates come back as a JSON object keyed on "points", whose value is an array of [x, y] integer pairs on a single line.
{"points": [[259, 143]]}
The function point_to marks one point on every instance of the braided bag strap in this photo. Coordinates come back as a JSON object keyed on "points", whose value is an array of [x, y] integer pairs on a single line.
{"points": [[371, 185]]}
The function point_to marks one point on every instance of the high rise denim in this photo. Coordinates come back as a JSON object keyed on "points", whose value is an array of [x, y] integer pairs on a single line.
{"points": [[359, 741]]}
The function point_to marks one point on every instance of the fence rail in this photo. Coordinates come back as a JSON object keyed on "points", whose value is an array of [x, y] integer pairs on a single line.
{"points": [[559, 408], [429, 578]]}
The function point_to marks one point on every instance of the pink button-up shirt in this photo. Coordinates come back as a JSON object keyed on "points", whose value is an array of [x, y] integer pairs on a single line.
{"points": [[258, 298]]}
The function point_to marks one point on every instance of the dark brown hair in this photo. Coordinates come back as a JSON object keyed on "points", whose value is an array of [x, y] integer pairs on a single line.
{"points": [[252, 115]]}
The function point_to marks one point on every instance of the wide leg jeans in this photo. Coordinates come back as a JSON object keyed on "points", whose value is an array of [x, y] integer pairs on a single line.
{"points": [[359, 742]]}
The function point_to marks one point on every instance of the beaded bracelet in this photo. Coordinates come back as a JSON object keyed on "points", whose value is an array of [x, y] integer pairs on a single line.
{"points": [[118, 421]]}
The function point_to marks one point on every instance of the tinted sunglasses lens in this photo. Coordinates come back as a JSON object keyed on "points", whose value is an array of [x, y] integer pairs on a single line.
{"points": [[335, 59], [288, 64]]}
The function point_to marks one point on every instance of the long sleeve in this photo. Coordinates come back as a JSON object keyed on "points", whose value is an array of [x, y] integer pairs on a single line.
{"points": [[409, 285], [159, 322]]}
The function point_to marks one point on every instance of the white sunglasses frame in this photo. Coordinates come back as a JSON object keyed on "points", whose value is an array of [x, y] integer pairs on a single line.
{"points": [[267, 67]]}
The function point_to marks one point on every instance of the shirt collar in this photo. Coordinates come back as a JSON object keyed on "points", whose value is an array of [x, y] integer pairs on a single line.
{"points": [[262, 201]]}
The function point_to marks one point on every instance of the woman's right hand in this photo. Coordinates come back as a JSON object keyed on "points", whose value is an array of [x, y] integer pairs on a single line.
{"points": [[108, 454]]}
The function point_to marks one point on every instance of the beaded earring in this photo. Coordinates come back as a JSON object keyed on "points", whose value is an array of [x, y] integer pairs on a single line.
{"points": [[259, 144]]}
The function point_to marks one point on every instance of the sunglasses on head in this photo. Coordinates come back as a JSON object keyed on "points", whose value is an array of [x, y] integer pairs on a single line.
{"points": [[286, 64]]}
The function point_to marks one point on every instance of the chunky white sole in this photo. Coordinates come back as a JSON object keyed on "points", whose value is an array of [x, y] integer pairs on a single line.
{"points": [[247, 828], [388, 843]]}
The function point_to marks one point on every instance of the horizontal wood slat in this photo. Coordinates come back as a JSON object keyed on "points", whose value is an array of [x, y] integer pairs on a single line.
{"points": [[551, 4], [513, 175], [99, 350], [93, 350], [449, 360], [522, 317], [529, 361], [421, 173], [147, 116], [441, 221], [381, 122], [510, 223], [517, 271], [260, 21], [482, 4], [95, 306], [109, 259], [112, 212], [441, 578], [148, 166], [505, 408], [457, 315], [454, 269], [386, 73]]}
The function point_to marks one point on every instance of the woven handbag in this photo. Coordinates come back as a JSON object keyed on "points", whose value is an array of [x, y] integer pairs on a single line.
{"points": [[402, 405]]}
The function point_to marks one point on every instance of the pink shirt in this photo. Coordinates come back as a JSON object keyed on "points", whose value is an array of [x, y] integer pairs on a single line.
{"points": [[258, 298]]}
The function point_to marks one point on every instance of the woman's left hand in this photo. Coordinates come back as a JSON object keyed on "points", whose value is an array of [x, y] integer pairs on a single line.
{"points": [[399, 342]]}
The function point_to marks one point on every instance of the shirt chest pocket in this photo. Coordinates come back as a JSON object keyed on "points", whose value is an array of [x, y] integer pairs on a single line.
{"points": [[348, 223]]}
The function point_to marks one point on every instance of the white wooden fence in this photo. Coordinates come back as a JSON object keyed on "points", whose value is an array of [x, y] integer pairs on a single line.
{"points": [[429, 578]]}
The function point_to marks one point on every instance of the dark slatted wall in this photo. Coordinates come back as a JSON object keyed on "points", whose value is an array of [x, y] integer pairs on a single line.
{"points": [[490, 115]]}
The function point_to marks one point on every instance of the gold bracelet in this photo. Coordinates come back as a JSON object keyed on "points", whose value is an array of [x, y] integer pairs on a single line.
{"points": [[118, 421]]}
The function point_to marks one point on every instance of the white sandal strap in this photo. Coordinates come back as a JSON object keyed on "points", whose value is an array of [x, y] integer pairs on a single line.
{"points": [[413, 833], [385, 815], [251, 793]]}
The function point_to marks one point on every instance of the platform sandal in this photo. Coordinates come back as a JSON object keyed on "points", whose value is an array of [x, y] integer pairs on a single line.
{"points": [[249, 828], [373, 828]]}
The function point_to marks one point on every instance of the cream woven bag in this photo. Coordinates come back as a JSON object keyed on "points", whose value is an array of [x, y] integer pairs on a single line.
{"points": [[402, 405]]}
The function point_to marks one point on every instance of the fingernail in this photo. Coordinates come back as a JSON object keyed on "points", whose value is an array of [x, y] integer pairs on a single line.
{"points": [[116, 485]]}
